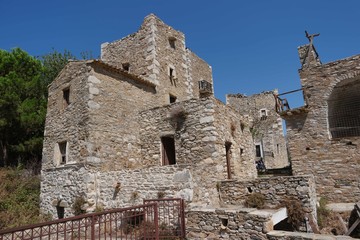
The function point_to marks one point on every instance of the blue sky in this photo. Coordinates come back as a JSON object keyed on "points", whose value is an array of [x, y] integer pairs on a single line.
{"points": [[251, 45]]}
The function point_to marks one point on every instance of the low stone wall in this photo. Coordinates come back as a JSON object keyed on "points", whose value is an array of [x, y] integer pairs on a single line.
{"points": [[282, 235], [240, 223], [112, 189], [275, 190]]}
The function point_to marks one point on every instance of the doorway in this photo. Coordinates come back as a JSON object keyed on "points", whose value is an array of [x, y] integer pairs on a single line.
{"points": [[168, 150]]}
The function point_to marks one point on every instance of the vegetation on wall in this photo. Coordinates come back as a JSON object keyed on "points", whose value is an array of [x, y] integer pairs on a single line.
{"points": [[255, 200]]}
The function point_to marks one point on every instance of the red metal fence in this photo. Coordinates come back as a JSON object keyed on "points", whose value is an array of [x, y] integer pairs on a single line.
{"points": [[171, 217], [138, 222]]}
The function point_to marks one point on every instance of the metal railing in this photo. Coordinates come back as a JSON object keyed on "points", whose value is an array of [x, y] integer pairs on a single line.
{"points": [[171, 217], [138, 222]]}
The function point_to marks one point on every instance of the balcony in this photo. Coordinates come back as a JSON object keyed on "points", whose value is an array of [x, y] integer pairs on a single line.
{"points": [[205, 88]]}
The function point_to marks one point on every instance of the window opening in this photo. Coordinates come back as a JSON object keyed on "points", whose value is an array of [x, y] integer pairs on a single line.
{"points": [[228, 158], [126, 66], [172, 42], [172, 76], [263, 114], [258, 150], [344, 109], [62, 147], [277, 148], [168, 150], [172, 98], [66, 97], [241, 151]]}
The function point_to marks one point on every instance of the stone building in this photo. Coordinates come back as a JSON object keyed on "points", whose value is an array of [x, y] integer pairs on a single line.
{"points": [[324, 135], [266, 127], [141, 121]]}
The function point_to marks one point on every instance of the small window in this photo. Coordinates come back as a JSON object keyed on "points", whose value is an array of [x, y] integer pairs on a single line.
{"points": [[172, 76], [126, 66], [241, 151], [258, 150], [172, 98], [63, 152], [172, 41], [66, 97], [263, 114], [171, 73]]}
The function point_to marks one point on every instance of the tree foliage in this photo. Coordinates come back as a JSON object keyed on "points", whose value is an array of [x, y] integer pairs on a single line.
{"points": [[23, 100]]}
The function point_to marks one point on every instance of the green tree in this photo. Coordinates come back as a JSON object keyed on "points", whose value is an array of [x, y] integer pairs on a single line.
{"points": [[24, 84], [22, 107]]}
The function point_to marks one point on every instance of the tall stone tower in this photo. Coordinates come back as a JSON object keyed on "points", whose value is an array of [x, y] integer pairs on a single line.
{"points": [[158, 53]]}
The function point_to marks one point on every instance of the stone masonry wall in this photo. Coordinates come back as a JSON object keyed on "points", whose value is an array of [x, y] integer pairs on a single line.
{"points": [[267, 131], [234, 128], [275, 190], [334, 162], [135, 49], [98, 188], [114, 141], [150, 54], [67, 123], [198, 70], [241, 224], [198, 143]]}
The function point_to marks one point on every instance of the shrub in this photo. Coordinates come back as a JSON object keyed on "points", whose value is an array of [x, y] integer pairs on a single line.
{"points": [[322, 213], [255, 200], [77, 206], [161, 194], [295, 211]]}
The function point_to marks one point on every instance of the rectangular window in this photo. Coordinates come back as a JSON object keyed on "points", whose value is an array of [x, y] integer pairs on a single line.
{"points": [[263, 114], [172, 42], [258, 150], [171, 73], [168, 151], [66, 97], [63, 153]]}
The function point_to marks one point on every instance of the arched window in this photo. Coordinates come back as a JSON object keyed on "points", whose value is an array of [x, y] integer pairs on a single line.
{"points": [[344, 109]]}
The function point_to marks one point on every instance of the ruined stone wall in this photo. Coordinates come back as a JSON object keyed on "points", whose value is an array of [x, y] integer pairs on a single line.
{"points": [[267, 131], [275, 190], [333, 162], [67, 122]]}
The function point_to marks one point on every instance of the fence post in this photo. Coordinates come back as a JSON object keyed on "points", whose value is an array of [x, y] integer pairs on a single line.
{"points": [[156, 221], [93, 227], [182, 210]]}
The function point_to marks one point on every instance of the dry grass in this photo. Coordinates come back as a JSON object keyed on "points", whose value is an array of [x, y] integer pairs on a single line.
{"points": [[19, 198]]}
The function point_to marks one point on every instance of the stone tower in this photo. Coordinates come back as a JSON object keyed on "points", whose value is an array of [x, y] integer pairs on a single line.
{"points": [[267, 127], [158, 53]]}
